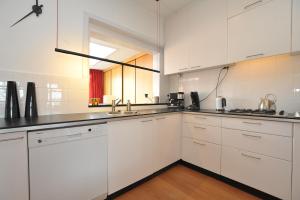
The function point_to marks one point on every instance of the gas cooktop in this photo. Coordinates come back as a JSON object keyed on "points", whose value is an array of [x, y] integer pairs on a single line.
{"points": [[250, 111]]}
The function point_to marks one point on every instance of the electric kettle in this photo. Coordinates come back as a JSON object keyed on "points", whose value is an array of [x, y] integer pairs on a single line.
{"points": [[220, 103]]}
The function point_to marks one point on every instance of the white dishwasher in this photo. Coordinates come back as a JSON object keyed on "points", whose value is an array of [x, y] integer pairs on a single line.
{"points": [[68, 163]]}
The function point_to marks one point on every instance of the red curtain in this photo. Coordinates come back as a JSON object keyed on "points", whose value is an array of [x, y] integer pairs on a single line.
{"points": [[96, 84]]}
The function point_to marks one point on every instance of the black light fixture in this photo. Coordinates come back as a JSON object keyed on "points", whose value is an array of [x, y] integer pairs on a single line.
{"points": [[64, 51]]}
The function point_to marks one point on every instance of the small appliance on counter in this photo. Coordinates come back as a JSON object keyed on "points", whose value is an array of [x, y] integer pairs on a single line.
{"points": [[268, 103], [220, 103], [195, 101], [176, 100]]}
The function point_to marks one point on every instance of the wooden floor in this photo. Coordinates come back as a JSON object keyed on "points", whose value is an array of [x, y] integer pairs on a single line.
{"points": [[182, 183]]}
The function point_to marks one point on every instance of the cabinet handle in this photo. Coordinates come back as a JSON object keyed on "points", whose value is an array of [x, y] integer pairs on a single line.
{"points": [[198, 127], [160, 118], [249, 156], [12, 139], [253, 123], [150, 120], [202, 144], [255, 55], [182, 69], [195, 67], [200, 117], [253, 4], [253, 136]]}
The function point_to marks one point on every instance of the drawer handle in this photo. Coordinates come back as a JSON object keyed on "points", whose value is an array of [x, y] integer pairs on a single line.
{"points": [[253, 4], [198, 127], [200, 117], [12, 139], [195, 67], [253, 136], [144, 121], [162, 118], [253, 123], [255, 55], [202, 144], [249, 156], [182, 69]]}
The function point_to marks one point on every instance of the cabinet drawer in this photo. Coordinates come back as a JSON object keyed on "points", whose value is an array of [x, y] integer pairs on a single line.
{"points": [[202, 132], [270, 145], [202, 119], [271, 127], [267, 174], [202, 154], [236, 7]]}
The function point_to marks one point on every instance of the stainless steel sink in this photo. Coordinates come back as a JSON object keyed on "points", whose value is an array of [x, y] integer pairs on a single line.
{"points": [[122, 113], [114, 113]]}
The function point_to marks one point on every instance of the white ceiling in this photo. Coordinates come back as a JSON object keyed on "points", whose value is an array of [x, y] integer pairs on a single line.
{"points": [[167, 7]]}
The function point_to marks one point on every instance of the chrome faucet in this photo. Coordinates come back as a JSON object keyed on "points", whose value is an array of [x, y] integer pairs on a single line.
{"points": [[114, 104]]}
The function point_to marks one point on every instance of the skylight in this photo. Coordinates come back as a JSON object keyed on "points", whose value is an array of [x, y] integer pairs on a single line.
{"points": [[99, 50]]}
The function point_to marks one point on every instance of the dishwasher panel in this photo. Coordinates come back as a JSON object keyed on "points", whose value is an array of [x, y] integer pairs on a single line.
{"points": [[68, 163]]}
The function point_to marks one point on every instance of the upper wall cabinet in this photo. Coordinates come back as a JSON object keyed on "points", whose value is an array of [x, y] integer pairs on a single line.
{"points": [[176, 48], [207, 33], [258, 28], [296, 26], [196, 37]]}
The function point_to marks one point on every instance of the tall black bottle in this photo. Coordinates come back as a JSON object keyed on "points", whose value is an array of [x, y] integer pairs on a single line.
{"points": [[31, 110], [12, 110]]}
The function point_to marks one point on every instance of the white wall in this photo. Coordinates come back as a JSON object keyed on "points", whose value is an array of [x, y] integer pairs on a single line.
{"points": [[27, 50], [247, 82]]}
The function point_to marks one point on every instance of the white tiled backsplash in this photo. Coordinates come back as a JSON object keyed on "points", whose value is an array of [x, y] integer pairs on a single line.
{"points": [[55, 95], [246, 83]]}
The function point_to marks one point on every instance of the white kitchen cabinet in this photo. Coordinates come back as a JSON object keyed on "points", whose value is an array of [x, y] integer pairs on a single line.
{"points": [[176, 43], [129, 152], [196, 37], [260, 32], [166, 140], [296, 163], [202, 154], [264, 173], [296, 26], [207, 31], [13, 167], [236, 7]]}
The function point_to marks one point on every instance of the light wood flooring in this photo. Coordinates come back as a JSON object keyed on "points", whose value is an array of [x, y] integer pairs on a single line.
{"points": [[182, 183]]}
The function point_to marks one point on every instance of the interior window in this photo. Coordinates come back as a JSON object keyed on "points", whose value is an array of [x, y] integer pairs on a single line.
{"points": [[110, 81]]}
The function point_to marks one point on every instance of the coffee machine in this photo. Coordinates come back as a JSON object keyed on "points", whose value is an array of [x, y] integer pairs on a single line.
{"points": [[176, 100]]}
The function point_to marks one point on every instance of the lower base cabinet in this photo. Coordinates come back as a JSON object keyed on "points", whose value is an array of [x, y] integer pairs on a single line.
{"points": [[264, 173], [137, 148], [13, 167], [202, 154], [296, 163]]}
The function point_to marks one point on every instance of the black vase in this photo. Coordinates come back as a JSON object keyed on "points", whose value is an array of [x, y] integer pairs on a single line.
{"points": [[12, 110], [31, 110]]}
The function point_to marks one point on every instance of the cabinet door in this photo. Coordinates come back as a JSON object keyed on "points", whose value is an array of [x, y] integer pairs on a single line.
{"points": [[166, 140], [202, 154], [264, 173], [129, 152], [207, 33], [176, 43], [296, 163], [260, 32], [296, 26], [13, 167]]}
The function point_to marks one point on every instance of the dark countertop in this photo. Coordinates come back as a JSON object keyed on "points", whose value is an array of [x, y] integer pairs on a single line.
{"points": [[276, 116], [85, 117], [69, 118]]}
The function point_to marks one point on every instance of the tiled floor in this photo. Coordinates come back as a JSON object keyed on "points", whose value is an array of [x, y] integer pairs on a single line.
{"points": [[182, 183]]}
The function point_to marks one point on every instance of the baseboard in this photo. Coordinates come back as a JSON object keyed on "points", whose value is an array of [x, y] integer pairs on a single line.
{"points": [[240, 186], [138, 183]]}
